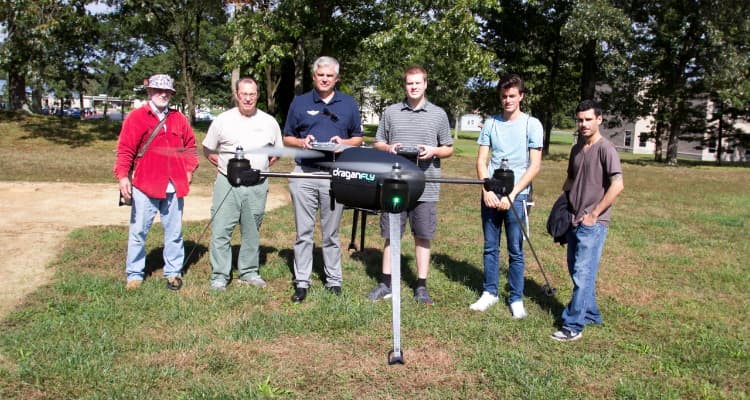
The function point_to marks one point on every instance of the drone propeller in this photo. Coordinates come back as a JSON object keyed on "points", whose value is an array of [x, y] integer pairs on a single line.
{"points": [[174, 151], [282, 152]]}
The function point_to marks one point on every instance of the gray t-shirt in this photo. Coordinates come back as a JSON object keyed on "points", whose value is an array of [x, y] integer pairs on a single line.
{"points": [[427, 125], [591, 173]]}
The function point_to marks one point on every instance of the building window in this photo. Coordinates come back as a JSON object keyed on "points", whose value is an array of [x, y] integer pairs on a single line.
{"points": [[628, 138], [642, 139]]}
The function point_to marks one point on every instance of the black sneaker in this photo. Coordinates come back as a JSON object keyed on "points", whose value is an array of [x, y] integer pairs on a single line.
{"points": [[299, 295], [334, 289], [564, 335]]}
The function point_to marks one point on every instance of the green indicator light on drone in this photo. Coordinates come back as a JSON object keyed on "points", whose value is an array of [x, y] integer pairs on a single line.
{"points": [[393, 196]]}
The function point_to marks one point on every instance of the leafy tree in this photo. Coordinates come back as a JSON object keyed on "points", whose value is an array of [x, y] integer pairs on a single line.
{"points": [[178, 29], [439, 35], [689, 51], [260, 45], [27, 25], [728, 76], [527, 38], [76, 38], [278, 34]]}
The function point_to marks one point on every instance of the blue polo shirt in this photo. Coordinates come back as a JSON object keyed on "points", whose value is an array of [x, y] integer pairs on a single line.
{"points": [[309, 115]]}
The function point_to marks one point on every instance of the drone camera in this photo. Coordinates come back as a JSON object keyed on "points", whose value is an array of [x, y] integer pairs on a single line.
{"points": [[240, 173], [394, 195], [502, 180]]}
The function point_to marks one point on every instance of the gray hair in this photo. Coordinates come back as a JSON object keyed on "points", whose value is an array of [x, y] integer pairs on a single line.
{"points": [[326, 61], [246, 79]]}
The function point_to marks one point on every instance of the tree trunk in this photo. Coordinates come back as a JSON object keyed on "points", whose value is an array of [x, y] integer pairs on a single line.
{"points": [[325, 9], [658, 145], [720, 133], [674, 132], [547, 124], [235, 78], [36, 98], [16, 89], [299, 67], [80, 104], [272, 85], [589, 69], [187, 81]]}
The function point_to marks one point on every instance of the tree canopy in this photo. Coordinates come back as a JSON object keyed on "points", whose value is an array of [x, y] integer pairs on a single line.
{"points": [[639, 57]]}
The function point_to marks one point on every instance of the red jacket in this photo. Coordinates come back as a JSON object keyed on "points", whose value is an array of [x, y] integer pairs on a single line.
{"points": [[170, 156]]}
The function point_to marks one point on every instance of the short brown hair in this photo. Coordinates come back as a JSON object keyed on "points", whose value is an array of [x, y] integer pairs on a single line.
{"points": [[509, 81], [415, 69]]}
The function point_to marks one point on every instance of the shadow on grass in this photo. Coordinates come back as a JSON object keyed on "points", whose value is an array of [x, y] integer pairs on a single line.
{"points": [[372, 258], [537, 293], [72, 133], [459, 271], [473, 277], [683, 163], [193, 253], [318, 272]]}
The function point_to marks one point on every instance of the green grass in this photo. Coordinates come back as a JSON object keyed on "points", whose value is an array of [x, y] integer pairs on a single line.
{"points": [[672, 289]]}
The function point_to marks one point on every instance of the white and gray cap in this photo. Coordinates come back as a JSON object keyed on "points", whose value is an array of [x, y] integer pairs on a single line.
{"points": [[161, 81]]}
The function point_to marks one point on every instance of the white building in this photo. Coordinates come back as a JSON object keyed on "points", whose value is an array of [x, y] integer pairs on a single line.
{"points": [[635, 137], [470, 123]]}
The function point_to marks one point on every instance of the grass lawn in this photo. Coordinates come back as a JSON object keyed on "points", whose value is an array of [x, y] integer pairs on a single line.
{"points": [[672, 290]]}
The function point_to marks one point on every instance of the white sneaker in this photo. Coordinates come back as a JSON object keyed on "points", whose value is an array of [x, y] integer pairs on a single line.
{"points": [[484, 302], [516, 308]]}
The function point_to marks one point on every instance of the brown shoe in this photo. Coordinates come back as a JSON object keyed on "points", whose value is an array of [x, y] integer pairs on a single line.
{"points": [[134, 284], [174, 283]]}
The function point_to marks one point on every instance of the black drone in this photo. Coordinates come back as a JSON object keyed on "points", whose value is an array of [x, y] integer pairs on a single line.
{"points": [[366, 178]]}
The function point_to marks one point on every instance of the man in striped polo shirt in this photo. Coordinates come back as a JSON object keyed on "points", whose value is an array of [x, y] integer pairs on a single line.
{"points": [[419, 123]]}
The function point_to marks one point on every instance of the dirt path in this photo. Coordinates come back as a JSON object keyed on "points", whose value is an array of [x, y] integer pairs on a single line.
{"points": [[36, 217]]}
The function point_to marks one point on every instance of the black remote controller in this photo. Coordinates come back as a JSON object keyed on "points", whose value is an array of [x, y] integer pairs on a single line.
{"points": [[323, 146], [408, 151]]}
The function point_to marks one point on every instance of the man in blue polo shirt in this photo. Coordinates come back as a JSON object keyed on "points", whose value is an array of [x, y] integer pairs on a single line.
{"points": [[320, 115]]}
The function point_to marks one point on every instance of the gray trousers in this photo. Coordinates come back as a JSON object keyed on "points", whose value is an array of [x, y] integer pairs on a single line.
{"points": [[244, 205], [309, 196]]}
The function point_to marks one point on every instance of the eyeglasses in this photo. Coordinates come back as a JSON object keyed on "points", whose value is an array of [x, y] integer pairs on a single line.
{"points": [[248, 95], [334, 117]]}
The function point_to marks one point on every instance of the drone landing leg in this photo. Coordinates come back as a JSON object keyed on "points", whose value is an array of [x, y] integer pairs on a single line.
{"points": [[362, 229], [395, 356], [355, 217]]}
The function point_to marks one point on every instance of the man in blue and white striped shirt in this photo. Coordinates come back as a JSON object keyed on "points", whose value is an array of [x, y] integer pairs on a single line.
{"points": [[419, 123]]}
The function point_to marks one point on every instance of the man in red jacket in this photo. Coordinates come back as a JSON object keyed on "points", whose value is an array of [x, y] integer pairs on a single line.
{"points": [[161, 178]]}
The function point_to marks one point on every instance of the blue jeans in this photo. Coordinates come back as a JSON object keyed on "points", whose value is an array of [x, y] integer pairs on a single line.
{"points": [[142, 215], [585, 245], [492, 223]]}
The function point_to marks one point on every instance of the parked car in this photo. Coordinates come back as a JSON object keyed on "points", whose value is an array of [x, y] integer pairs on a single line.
{"points": [[75, 113], [203, 115]]}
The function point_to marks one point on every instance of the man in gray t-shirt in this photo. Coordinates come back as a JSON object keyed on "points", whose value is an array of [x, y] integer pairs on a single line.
{"points": [[419, 123], [594, 181]]}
